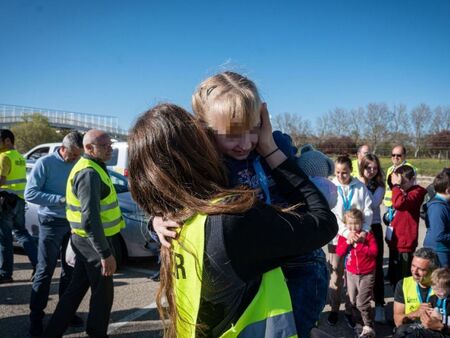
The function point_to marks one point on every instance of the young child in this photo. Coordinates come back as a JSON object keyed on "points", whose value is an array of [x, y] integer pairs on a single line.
{"points": [[438, 218], [230, 106], [360, 265], [407, 197], [319, 167]]}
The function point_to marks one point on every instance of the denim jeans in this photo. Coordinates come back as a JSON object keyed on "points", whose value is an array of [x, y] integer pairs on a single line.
{"points": [[13, 220], [307, 279], [54, 234]]}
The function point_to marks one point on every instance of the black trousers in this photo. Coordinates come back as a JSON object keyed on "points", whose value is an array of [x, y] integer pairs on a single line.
{"points": [[87, 274], [399, 266], [378, 290]]}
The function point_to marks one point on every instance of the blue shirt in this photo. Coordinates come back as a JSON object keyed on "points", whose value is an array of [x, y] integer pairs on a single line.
{"points": [[46, 185]]}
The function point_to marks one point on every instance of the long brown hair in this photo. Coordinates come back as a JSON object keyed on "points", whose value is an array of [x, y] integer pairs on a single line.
{"points": [[378, 179], [175, 172]]}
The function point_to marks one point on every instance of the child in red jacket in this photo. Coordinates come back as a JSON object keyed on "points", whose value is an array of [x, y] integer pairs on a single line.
{"points": [[360, 264], [407, 197]]}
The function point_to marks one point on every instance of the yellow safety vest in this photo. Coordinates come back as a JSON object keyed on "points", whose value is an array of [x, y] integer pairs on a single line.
{"points": [[110, 213], [17, 177], [355, 168], [268, 315], [388, 193], [410, 295]]}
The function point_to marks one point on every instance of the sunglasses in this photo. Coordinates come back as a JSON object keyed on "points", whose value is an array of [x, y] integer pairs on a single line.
{"points": [[396, 155]]}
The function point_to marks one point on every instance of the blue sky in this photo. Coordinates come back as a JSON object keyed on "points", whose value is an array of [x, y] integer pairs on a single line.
{"points": [[307, 57]]}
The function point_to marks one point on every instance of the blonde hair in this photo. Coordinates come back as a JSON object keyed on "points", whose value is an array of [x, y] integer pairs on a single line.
{"points": [[441, 277], [227, 99], [355, 214]]}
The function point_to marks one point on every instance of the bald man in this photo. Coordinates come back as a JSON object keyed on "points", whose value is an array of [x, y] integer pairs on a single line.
{"points": [[96, 220], [362, 151]]}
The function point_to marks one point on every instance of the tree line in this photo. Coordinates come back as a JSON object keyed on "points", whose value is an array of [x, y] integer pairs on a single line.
{"points": [[422, 129]]}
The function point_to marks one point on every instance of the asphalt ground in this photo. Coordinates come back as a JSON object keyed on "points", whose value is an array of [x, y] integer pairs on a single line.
{"points": [[134, 311]]}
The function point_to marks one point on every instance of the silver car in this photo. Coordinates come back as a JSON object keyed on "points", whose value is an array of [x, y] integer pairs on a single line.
{"points": [[135, 241]]}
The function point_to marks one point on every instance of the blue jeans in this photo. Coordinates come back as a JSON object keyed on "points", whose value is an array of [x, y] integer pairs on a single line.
{"points": [[307, 279], [444, 258], [13, 220], [54, 234]]}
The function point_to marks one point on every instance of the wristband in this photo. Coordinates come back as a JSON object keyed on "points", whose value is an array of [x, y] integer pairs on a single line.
{"points": [[271, 153]]}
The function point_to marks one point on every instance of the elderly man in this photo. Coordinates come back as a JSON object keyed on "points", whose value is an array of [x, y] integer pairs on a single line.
{"points": [[398, 158], [412, 293], [12, 206], [362, 151], [46, 187], [95, 218]]}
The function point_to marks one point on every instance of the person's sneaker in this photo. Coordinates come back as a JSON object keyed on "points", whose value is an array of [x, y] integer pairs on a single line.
{"points": [[36, 329], [5, 279], [367, 332], [332, 318], [76, 321], [349, 319], [380, 314]]}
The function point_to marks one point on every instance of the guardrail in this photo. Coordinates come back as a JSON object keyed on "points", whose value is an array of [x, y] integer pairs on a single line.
{"points": [[11, 114]]}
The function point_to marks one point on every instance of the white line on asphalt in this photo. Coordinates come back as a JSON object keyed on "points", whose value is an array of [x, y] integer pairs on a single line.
{"points": [[129, 318]]}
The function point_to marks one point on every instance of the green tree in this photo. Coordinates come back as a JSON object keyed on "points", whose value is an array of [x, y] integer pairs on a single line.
{"points": [[34, 130]]}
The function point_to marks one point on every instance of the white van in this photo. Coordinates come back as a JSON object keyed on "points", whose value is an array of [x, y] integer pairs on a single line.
{"points": [[117, 163]]}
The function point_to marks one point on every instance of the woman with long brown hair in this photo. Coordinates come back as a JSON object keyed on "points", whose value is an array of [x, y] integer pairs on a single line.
{"points": [[216, 276]]}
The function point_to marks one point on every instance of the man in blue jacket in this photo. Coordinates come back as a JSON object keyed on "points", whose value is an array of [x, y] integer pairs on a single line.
{"points": [[438, 218], [46, 187]]}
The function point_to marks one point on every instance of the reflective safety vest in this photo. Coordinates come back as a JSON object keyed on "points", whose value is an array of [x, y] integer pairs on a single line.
{"points": [[388, 193], [110, 213], [355, 168], [269, 314], [411, 296], [17, 177]]}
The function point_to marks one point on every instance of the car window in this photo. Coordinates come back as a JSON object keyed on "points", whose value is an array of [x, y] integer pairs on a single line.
{"points": [[120, 182], [38, 153]]}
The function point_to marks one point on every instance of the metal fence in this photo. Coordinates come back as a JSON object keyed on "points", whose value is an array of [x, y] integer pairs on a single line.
{"points": [[11, 114]]}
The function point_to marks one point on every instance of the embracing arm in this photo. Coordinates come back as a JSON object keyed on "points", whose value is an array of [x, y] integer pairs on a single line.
{"points": [[265, 237]]}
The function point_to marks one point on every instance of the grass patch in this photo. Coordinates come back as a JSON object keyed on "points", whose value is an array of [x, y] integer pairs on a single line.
{"points": [[425, 166]]}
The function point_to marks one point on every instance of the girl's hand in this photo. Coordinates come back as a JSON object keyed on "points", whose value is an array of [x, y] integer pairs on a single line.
{"points": [[266, 143], [267, 147], [163, 228]]}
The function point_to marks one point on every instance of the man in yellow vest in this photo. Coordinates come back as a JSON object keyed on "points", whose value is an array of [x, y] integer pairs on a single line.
{"points": [[362, 151], [398, 158], [12, 207], [95, 218], [412, 293]]}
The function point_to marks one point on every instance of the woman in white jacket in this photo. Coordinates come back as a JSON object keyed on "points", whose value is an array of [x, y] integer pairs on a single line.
{"points": [[351, 194]]}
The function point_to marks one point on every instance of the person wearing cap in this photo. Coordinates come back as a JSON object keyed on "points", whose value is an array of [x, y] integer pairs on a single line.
{"points": [[362, 151], [12, 208], [319, 167]]}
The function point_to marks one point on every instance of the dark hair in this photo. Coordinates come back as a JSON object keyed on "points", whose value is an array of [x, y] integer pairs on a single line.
{"points": [[344, 159], [6, 133], [378, 179], [430, 255], [442, 181], [406, 171]]}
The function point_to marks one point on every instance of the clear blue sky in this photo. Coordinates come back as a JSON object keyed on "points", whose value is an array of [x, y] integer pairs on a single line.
{"points": [[307, 57]]}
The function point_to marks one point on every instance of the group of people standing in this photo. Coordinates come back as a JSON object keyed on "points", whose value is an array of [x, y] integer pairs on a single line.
{"points": [[241, 218]]}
